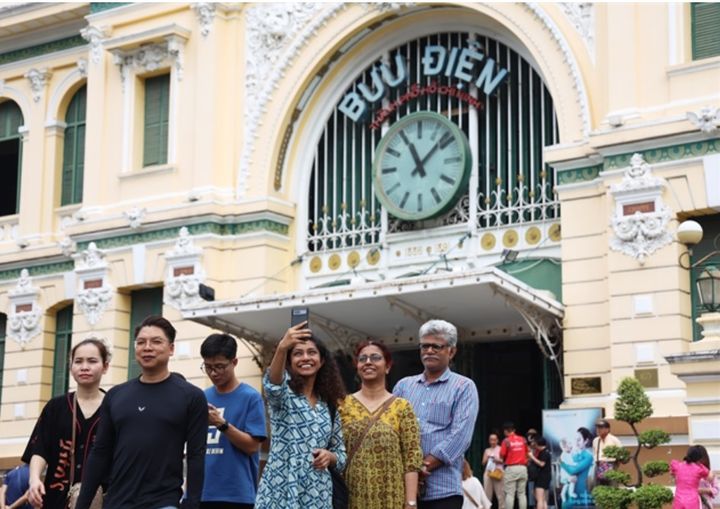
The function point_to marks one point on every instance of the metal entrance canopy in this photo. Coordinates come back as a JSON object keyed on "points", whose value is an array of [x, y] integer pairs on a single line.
{"points": [[485, 304]]}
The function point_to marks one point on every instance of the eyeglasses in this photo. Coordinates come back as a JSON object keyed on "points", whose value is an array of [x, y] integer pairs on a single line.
{"points": [[374, 357], [432, 346], [217, 368]]}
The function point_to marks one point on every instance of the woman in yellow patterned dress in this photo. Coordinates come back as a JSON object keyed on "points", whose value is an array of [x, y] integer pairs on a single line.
{"points": [[382, 437]]}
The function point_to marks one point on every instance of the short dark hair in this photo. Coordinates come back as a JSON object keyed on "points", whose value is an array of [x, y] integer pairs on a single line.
{"points": [[219, 344], [159, 322], [694, 454], [540, 440], [508, 426], [371, 342]]}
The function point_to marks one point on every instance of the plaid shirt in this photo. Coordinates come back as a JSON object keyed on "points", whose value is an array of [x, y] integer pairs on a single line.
{"points": [[447, 409]]}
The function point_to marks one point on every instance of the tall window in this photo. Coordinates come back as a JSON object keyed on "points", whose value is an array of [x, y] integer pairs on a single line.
{"points": [[143, 304], [63, 338], [157, 108], [3, 326], [73, 162], [705, 21], [10, 158]]}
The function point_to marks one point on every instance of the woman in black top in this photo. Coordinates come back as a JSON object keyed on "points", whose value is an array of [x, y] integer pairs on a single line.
{"points": [[50, 442], [540, 463]]}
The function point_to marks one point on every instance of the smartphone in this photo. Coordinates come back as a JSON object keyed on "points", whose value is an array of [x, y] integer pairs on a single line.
{"points": [[299, 315]]}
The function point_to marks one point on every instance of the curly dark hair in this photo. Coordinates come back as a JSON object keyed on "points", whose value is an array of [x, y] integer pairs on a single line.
{"points": [[329, 386]]}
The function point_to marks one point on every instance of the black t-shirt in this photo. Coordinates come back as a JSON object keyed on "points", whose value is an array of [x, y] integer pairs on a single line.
{"points": [[140, 443], [544, 473], [51, 439]]}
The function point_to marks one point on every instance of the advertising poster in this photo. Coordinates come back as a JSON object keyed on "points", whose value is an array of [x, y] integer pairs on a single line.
{"points": [[569, 435]]}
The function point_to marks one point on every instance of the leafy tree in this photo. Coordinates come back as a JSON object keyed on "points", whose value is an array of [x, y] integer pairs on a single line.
{"points": [[632, 407]]}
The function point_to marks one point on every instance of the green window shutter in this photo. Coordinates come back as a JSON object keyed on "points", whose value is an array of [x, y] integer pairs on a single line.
{"points": [[74, 149], [3, 326], [144, 303], [63, 338], [10, 120], [157, 108], [705, 20]]}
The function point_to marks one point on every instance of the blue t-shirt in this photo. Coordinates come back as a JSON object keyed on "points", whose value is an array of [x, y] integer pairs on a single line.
{"points": [[230, 474], [17, 481]]}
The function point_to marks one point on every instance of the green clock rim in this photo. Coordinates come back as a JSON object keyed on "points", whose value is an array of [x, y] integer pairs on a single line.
{"points": [[462, 183]]}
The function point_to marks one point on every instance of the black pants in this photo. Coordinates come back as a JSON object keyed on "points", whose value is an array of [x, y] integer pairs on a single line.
{"points": [[455, 502], [224, 505]]}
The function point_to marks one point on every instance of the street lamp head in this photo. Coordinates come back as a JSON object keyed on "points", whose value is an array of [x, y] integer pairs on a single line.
{"points": [[689, 233]]}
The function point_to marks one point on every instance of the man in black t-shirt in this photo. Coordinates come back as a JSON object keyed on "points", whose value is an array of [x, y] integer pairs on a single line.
{"points": [[145, 424]]}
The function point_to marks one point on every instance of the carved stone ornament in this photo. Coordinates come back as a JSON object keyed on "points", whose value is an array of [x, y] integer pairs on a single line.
{"points": [[707, 119], [640, 233], [38, 81], [91, 258], [94, 292], [94, 36], [67, 246], [205, 12], [151, 57], [582, 17], [275, 34], [184, 272], [82, 67], [135, 216], [93, 301], [25, 313]]}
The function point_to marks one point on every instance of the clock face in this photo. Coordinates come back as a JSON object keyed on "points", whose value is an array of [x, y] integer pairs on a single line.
{"points": [[422, 166]]}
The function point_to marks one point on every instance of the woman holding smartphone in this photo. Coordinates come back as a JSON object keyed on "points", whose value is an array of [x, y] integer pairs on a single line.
{"points": [[303, 389]]}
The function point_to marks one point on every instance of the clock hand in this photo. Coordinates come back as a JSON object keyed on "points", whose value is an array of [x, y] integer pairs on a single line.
{"points": [[430, 153], [419, 168]]}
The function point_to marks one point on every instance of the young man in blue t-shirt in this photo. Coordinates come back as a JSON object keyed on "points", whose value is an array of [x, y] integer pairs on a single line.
{"points": [[236, 416]]}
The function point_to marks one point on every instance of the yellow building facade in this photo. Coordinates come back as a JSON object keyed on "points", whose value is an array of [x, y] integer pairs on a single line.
{"points": [[257, 149]]}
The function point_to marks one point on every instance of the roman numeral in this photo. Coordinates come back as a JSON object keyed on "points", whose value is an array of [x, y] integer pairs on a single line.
{"points": [[452, 160], [397, 184], [446, 140], [389, 170], [419, 205], [405, 199], [447, 179], [392, 152], [435, 194]]}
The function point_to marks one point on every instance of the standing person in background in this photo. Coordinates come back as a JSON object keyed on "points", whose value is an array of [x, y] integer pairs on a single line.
{"points": [[603, 439], [236, 415], [303, 389], [146, 424], [688, 473], [541, 459], [493, 485], [50, 441], [14, 491], [709, 486], [382, 435], [446, 405], [513, 454], [473, 492]]}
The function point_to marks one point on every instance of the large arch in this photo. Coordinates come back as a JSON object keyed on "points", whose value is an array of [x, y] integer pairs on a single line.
{"points": [[348, 45]]}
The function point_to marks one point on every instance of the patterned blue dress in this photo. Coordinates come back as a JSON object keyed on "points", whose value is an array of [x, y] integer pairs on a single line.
{"points": [[289, 481]]}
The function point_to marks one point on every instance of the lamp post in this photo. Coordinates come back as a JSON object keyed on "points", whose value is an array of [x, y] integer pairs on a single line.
{"points": [[707, 282]]}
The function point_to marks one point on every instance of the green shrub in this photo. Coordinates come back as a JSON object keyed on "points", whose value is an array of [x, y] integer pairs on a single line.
{"points": [[655, 468], [620, 454], [617, 476], [607, 497], [652, 496], [653, 437]]}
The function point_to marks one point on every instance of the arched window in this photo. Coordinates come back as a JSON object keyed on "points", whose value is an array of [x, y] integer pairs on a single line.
{"points": [[73, 161], [10, 157], [63, 338], [506, 130]]}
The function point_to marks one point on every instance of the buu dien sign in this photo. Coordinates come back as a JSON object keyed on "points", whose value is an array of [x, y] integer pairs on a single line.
{"points": [[468, 65]]}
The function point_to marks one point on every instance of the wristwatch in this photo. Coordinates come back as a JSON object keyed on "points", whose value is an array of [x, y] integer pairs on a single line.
{"points": [[223, 427]]}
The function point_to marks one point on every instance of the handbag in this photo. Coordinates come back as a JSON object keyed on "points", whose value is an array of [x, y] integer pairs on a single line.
{"points": [[496, 474], [74, 491]]}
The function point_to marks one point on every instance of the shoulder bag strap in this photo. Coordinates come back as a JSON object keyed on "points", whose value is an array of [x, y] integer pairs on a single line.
{"points": [[72, 443], [369, 425], [470, 498]]}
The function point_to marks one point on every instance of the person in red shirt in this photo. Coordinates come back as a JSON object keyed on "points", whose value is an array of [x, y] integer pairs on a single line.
{"points": [[514, 453]]}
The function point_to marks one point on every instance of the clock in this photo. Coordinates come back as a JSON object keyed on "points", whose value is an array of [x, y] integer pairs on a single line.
{"points": [[421, 166]]}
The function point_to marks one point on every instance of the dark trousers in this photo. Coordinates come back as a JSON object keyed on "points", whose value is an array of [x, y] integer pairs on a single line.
{"points": [[224, 505], [455, 502]]}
